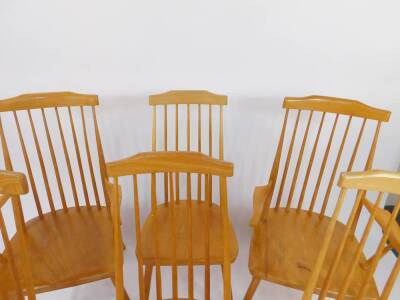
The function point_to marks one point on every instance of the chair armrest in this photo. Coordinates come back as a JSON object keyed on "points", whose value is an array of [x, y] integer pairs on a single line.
{"points": [[260, 195]]}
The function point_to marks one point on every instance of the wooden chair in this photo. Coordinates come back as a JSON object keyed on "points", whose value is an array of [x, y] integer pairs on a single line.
{"points": [[70, 241], [14, 282], [342, 269], [288, 227], [178, 232]]}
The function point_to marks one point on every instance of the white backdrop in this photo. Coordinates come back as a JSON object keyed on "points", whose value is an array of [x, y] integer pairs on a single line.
{"points": [[254, 51]]}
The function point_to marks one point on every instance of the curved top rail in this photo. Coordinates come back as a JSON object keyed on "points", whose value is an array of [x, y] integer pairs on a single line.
{"points": [[13, 183], [157, 162], [373, 180], [188, 97], [46, 100], [337, 105]]}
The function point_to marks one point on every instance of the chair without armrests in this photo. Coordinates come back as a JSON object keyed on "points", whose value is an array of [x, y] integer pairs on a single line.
{"points": [[177, 233]]}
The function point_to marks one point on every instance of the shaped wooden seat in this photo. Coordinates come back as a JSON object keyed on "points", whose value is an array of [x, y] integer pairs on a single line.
{"points": [[58, 243], [70, 238], [180, 232], [295, 238], [292, 212], [216, 235]]}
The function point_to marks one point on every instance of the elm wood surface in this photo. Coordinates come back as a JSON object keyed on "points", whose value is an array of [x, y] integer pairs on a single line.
{"points": [[14, 282], [180, 232], [278, 195], [70, 243], [295, 238]]}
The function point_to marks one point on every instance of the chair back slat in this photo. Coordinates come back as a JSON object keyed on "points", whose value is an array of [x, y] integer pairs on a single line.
{"points": [[67, 159], [299, 160], [89, 159], [171, 226], [12, 185], [357, 273], [41, 162], [297, 170], [53, 159], [356, 146], [288, 158], [64, 121], [78, 157], [335, 167], [322, 168], [28, 165]]}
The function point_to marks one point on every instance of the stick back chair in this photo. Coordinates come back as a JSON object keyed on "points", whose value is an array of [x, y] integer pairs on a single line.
{"points": [[70, 235], [289, 225], [180, 232], [15, 282], [342, 268]]}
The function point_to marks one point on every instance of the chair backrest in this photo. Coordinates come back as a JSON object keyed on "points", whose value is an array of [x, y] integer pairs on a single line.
{"points": [[12, 185], [378, 183], [152, 163], [302, 169], [194, 103], [53, 134]]}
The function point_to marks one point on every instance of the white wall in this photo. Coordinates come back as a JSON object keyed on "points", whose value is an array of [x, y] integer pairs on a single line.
{"points": [[255, 51]]}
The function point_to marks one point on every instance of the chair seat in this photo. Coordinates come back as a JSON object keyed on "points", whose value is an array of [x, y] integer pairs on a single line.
{"points": [[286, 244], [164, 218], [67, 248]]}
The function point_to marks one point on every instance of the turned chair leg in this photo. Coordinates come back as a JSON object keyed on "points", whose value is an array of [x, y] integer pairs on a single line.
{"points": [[252, 288], [148, 271], [126, 297]]}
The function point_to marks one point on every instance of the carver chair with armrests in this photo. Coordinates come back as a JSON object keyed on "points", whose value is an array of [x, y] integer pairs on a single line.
{"points": [[55, 138], [292, 212]]}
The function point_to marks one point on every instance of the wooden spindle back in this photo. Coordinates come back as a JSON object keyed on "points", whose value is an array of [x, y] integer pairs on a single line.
{"points": [[54, 134], [176, 243], [199, 107], [16, 284], [354, 282], [324, 138]]}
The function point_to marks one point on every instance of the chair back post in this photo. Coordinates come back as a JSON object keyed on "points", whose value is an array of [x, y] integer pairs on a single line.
{"points": [[12, 185], [170, 163]]}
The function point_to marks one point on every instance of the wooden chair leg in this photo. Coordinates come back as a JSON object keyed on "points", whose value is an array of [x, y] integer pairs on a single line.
{"points": [[252, 288], [148, 271], [222, 271], [126, 296]]}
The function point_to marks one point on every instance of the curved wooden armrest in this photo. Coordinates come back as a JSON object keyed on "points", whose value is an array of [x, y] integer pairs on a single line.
{"points": [[13, 183], [382, 217], [260, 195]]}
